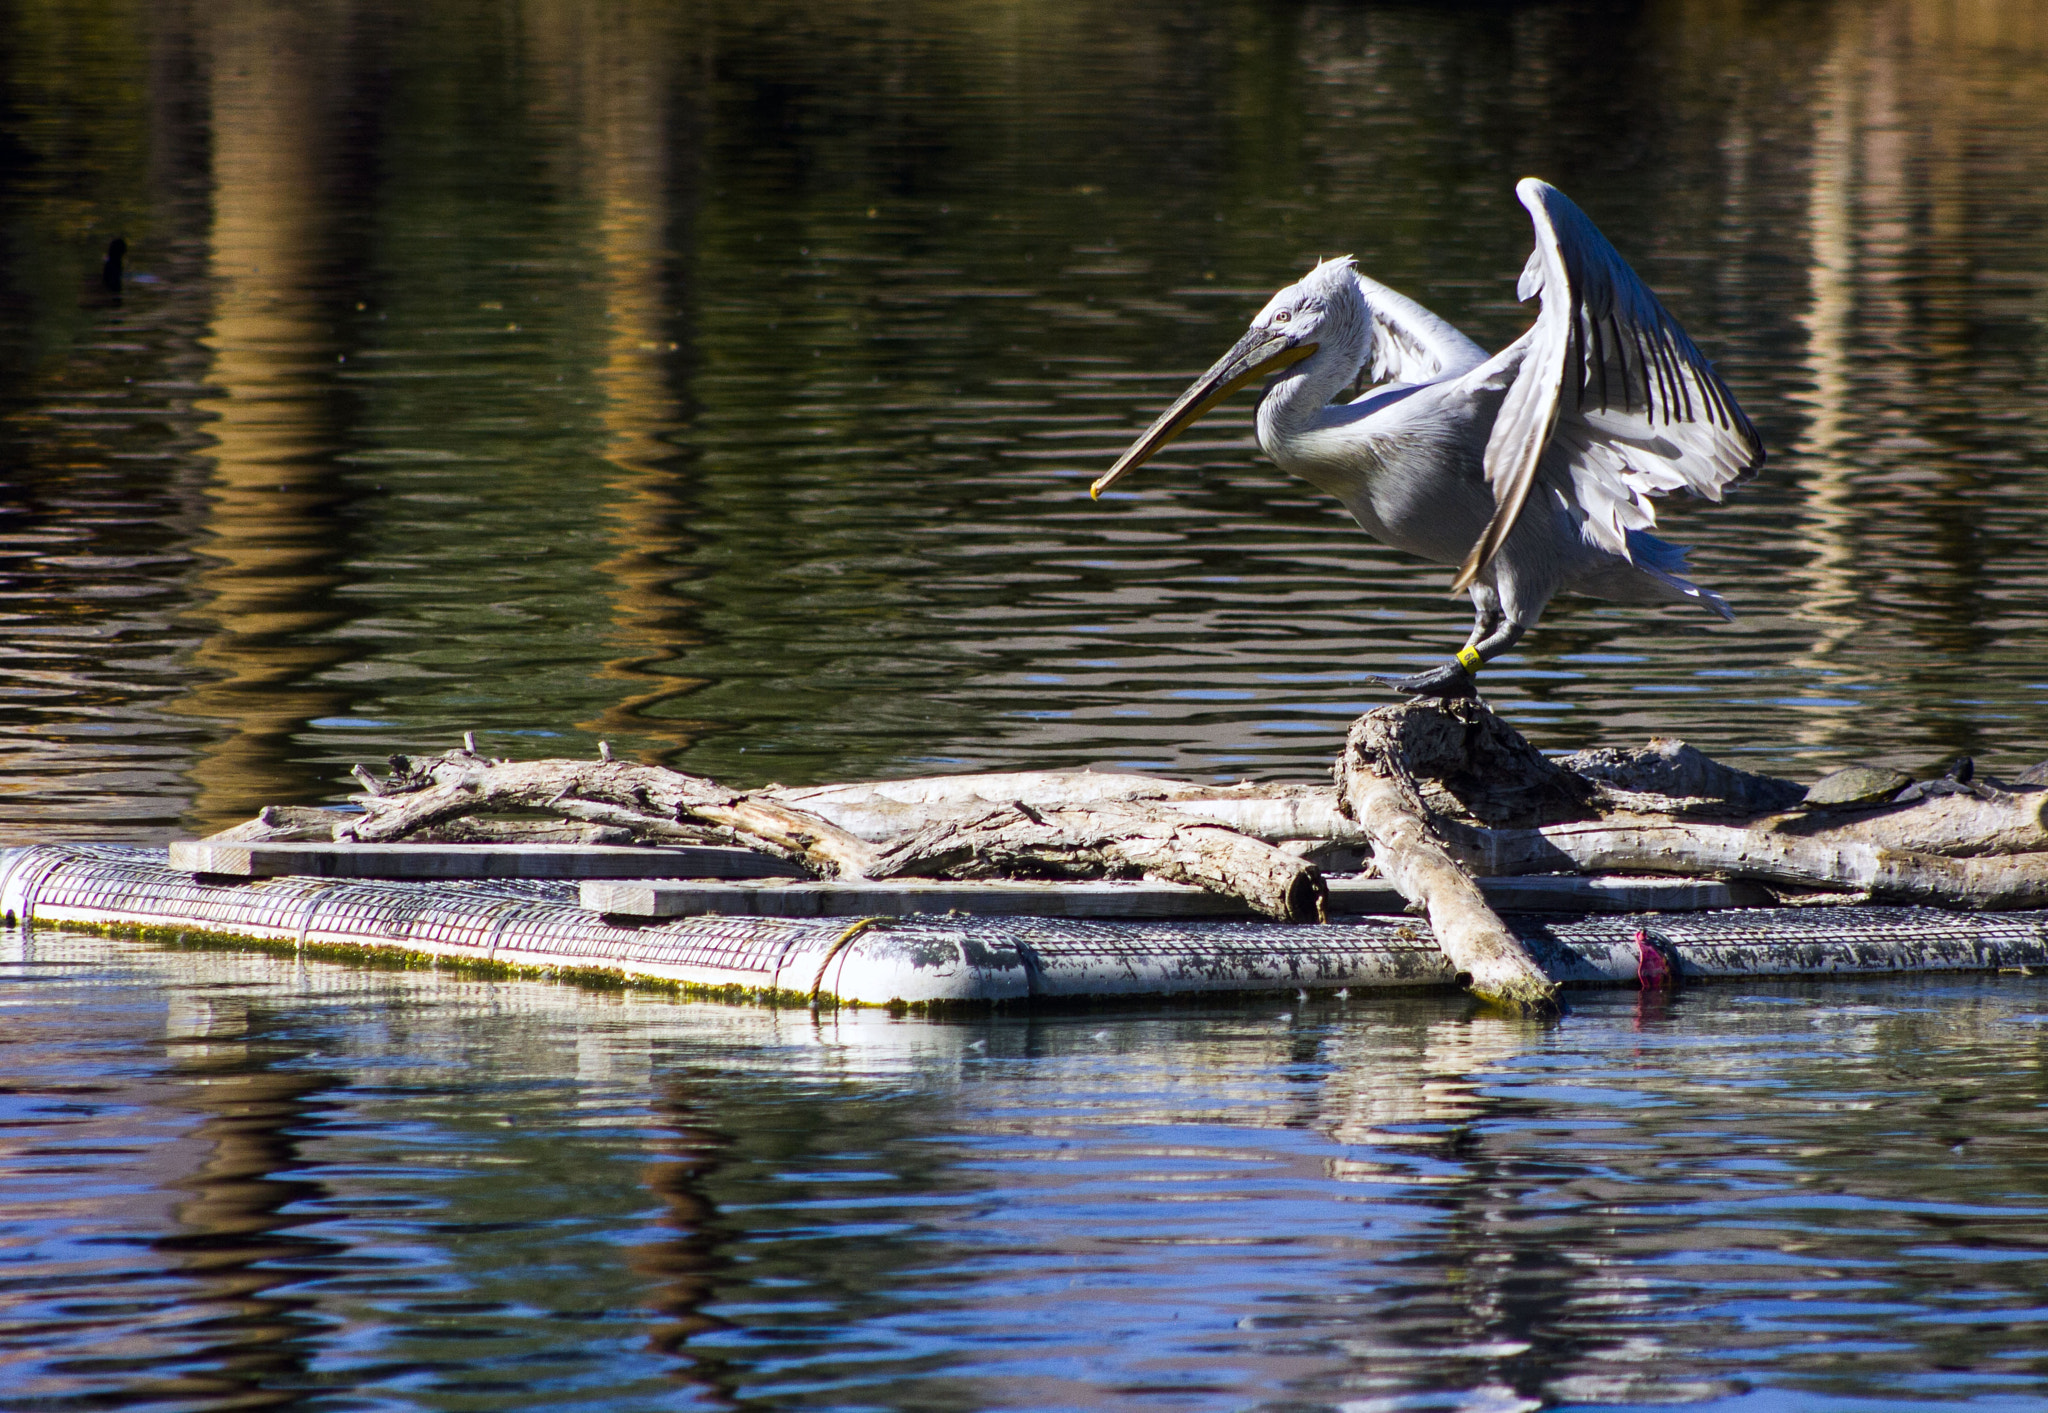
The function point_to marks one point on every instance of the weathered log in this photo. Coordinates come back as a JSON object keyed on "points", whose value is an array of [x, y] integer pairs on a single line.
{"points": [[288, 824], [886, 809], [1036, 788], [489, 829], [1658, 845], [1669, 777], [1372, 778], [1962, 826], [1107, 840], [296, 824], [660, 803], [1110, 840], [282, 824]]}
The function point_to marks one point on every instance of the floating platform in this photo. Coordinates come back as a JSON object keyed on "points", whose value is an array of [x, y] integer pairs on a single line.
{"points": [[922, 959]]}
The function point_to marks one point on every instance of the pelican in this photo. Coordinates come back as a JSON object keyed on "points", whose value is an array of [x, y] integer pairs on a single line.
{"points": [[1532, 470]]}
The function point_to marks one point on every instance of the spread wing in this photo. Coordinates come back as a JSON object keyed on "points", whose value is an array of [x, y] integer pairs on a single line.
{"points": [[1410, 344], [1610, 380]]}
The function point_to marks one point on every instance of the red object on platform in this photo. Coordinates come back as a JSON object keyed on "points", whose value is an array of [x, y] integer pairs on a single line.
{"points": [[1653, 969]]}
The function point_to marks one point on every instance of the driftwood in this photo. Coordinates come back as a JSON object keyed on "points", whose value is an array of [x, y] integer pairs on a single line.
{"points": [[660, 804], [1376, 780], [1669, 777], [288, 824], [1489, 958], [1457, 760], [282, 824], [1850, 866], [888, 809], [1980, 851], [1440, 793], [448, 794], [1962, 826], [1110, 841]]}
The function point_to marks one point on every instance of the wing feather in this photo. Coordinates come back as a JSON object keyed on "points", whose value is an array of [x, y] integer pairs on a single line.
{"points": [[1610, 380], [1409, 343]]}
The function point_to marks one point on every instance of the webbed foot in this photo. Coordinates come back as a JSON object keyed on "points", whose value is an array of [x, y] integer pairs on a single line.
{"points": [[1450, 680]]}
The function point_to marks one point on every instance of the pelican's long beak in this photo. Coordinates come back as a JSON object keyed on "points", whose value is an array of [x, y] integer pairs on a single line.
{"points": [[1260, 351]]}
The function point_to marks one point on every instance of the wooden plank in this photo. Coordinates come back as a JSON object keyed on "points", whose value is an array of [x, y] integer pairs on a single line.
{"points": [[1354, 897], [1566, 893], [452, 861], [900, 896]]}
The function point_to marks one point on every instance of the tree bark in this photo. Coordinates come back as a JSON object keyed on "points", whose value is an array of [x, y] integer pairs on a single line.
{"points": [[1102, 840], [1657, 845], [1375, 787], [1961, 826], [1110, 840], [886, 809], [661, 803]]}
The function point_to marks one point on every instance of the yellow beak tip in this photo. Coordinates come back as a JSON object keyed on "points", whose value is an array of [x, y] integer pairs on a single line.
{"points": [[1095, 491]]}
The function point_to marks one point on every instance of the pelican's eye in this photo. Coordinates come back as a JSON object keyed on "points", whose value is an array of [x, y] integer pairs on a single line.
{"points": [[1282, 317]]}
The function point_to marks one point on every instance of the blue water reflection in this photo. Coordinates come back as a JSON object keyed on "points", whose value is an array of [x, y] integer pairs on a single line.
{"points": [[241, 1181]]}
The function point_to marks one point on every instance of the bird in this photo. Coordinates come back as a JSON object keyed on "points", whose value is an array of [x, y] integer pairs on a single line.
{"points": [[1531, 470], [110, 267]]}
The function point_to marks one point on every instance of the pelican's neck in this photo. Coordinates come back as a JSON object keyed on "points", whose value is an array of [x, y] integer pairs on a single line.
{"points": [[1299, 403]]}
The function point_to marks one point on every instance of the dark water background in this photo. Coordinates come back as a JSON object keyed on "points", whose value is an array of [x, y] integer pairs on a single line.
{"points": [[724, 381]]}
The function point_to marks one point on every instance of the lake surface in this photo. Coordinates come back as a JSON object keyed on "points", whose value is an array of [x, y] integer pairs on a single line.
{"points": [[724, 382], [237, 1182]]}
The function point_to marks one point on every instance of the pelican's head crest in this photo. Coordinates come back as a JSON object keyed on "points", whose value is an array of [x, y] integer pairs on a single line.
{"points": [[1323, 307]]}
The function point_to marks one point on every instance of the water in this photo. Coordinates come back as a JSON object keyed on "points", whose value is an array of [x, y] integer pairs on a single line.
{"points": [[238, 1182], [725, 381]]}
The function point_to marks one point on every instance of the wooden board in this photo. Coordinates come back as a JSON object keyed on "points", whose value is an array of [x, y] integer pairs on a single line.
{"points": [[569, 861], [1135, 900]]}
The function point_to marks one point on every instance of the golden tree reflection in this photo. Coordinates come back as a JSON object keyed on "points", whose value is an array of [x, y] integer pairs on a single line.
{"points": [[628, 79], [269, 533]]}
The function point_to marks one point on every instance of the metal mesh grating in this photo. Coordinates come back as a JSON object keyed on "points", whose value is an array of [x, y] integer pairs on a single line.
{"points": [[487, 919], [1103, 940], [1777, 929]]}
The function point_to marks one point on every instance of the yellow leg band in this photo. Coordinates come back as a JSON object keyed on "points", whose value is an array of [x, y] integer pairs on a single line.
{"points": [[1469, 659]]}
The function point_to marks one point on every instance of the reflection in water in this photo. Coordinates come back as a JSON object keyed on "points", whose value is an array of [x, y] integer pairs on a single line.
{"points": [[684, 1266], [270, 526], [253, 1345], [1829, 500], [628, 68], [1414, 1085], [725, 381], [421, 1189]]}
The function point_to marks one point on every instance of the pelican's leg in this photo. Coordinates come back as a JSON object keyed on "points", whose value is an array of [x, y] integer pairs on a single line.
{"points": [[1492, 635], [1486, 618]]}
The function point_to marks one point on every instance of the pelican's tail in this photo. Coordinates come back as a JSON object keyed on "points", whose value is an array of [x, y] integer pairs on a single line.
{"points": [[1665, 562]]}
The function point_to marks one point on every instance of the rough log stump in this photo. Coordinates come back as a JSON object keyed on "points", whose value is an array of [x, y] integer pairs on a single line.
{"points": [[1376, 783]]}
